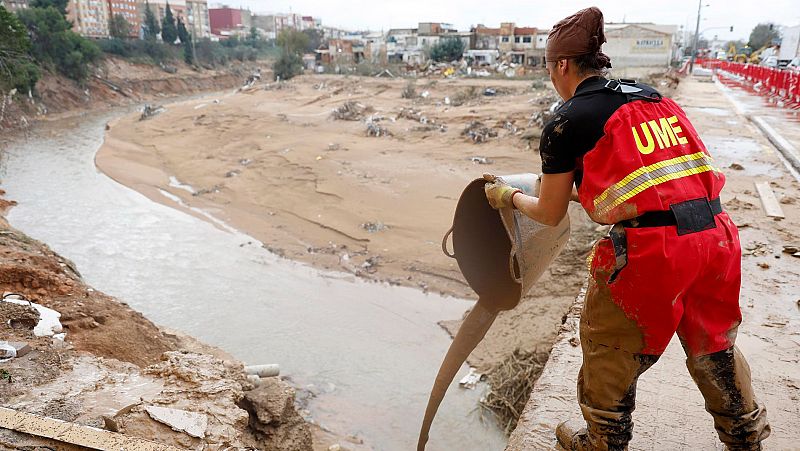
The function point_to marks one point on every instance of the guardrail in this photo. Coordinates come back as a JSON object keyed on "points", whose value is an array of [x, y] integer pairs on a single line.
{"points": [[780, 85]]}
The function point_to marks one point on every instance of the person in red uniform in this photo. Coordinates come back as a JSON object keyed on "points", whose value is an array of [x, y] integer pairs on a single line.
{"points": [[670, 263]]}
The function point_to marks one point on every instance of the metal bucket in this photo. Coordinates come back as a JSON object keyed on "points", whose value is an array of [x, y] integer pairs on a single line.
{"points": [[501, 254]]}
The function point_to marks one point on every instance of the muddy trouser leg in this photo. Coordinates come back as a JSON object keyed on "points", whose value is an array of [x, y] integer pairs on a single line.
{"points": [[608, 376], [724, 380]]}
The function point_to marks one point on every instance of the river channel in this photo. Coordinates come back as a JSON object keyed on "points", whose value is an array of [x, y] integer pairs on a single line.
{"points": [[368, 351]]}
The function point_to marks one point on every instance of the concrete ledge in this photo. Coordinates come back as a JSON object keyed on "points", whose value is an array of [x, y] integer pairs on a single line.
{"points": [[554, 397], [786, 148], [669, 415]]}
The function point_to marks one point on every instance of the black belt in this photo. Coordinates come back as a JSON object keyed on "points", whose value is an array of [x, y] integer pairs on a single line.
{"points": [[690, 216]]}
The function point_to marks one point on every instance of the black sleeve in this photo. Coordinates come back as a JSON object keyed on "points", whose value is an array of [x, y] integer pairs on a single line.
{"points": [[556, 146]]}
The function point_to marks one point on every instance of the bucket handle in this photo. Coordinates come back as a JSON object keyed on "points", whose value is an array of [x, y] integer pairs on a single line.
{"points": [[513, 261], [444, 243]]}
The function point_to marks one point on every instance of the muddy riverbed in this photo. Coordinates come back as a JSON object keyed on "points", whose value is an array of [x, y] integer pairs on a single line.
{"points": [[364, 354]]}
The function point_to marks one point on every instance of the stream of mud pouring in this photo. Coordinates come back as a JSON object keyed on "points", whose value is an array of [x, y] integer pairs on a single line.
{"points": [[366, 351], [471, 332]]}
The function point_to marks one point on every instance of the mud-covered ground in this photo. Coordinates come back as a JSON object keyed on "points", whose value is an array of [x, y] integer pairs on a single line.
{"points": [[114, 365], [298, 166], [276, 162]]}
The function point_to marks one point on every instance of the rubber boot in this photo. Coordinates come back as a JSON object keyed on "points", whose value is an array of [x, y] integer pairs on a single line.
{"points": [[724, 380], [573, 436]]}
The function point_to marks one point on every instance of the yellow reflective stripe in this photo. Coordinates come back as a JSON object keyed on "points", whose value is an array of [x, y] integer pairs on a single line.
{"points": [[657, 181], [675, 168], [647, 169]]}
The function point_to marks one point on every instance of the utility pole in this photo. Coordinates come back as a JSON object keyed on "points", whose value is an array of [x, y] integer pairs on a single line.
{"points": [[696, 38]]}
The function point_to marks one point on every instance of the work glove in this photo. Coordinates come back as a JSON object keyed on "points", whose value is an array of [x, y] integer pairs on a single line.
{"points": [[499, 193]]}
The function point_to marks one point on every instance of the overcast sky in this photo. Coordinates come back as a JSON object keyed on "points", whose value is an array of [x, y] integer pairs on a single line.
{"points": [[381, 15]]}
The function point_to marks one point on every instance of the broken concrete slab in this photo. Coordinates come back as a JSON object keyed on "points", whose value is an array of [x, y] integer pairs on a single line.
{"points": [[73, 433], [21, 347], [192, 423]]}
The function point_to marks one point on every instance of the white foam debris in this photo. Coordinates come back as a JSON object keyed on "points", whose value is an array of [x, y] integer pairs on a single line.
{"points": [[175, 183], [49, 322]]}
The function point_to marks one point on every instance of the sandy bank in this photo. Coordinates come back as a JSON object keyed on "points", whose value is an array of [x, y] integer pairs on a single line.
{"points": [[273, 162]]}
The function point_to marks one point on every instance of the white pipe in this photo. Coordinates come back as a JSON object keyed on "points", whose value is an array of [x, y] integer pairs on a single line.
{"points": [[263, 370]]}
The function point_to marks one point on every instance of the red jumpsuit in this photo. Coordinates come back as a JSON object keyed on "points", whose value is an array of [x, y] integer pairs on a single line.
{"points": [[676, 270]]}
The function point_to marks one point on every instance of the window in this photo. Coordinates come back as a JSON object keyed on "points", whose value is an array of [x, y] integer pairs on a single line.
{"points": [[516, 39], [505, 38], [526, 39]]}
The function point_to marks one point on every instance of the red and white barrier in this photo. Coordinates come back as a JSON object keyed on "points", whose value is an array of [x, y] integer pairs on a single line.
{"points": [[779, 85]]}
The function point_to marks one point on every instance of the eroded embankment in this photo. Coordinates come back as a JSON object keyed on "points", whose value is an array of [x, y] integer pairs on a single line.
{"points": [[114, 82], [115, 369]]}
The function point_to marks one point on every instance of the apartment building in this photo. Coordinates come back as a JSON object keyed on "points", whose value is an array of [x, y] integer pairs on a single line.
{"points": [[225, 21], [129, 9], [14, 5], [89, 17], [197, 21], [159, 8]]}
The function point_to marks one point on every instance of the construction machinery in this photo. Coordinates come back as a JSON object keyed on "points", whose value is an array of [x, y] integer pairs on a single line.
{"points": [[740, 54]]}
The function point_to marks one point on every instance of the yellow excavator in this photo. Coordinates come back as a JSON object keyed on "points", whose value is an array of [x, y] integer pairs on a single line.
{"points": [[745, 54], [741, 54], [755, 57]]}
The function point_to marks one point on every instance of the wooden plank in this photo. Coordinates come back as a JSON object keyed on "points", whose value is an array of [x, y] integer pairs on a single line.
{"points": [[73, 433], [771, 205]]}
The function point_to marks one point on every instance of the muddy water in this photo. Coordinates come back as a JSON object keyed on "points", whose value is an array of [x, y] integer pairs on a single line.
{"points": [[368, 351]]}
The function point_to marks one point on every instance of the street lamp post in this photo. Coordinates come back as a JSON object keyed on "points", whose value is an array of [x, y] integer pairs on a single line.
{"points": [[696, 37]]}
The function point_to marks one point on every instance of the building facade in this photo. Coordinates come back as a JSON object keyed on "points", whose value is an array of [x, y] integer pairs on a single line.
{"points": [[159, 8], [197, 21], [226, 22], [89, 17], [129, 9], [640, 45], [14, 5]]}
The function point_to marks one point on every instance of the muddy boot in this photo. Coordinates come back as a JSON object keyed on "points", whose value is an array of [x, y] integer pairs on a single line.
{"points": [[724, 380], [572, 436]]}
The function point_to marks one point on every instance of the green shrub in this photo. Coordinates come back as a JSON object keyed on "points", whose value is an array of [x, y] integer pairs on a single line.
{"points": [[149, 52], [17, 69], [24, 77], [54, 45], [447, 49], [287, 66], [209, 53]]}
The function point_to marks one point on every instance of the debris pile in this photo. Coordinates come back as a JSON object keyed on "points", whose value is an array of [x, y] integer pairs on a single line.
{"points": [[511, 382], [546, 104], [478, 133], [375, 129], [351, 111], [151, 110], [373, 227], [462, 68], [427, 123]]}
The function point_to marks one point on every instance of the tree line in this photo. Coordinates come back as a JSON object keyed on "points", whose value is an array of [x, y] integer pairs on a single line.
{"points": [[40, 39]]}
